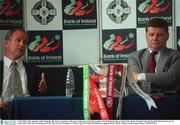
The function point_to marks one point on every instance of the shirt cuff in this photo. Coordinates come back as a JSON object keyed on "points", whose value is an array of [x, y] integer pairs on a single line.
{"points": [[141, 77]]}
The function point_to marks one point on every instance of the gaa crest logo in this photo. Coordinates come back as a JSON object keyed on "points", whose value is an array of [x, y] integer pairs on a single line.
{"points": [[118, 11], [43, 12]]}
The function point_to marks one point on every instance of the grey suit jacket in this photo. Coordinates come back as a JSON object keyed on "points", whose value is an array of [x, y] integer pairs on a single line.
{"points": [[167, 76]]}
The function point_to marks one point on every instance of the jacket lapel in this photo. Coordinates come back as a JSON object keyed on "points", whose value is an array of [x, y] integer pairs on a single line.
{"points": [[28, 75], [145, 59], [1, 75], [164, 56]]}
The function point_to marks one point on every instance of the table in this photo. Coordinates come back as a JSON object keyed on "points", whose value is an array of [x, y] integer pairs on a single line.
{"points": [[50, 107], [168, 107], [61, 107]]}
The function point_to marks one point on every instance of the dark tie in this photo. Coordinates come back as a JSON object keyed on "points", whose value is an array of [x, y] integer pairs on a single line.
{"points": [[15, 84], [152, 62]]}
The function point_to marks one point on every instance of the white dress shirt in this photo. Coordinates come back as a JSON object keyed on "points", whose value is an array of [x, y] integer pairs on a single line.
{"points": [[7, 72], [141, 76]]}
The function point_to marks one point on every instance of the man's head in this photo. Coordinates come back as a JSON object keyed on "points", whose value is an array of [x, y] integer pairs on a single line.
{"points": [[15, 43], [157, 34]]}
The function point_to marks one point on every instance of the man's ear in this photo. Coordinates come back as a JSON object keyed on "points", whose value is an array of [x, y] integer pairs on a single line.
{"points": [[5, 43]]}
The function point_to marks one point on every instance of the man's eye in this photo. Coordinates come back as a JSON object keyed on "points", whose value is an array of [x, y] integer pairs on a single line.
{"points": [[17, 40], [161, 35]]}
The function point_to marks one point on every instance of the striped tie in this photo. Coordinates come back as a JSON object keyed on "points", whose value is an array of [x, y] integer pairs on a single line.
{"points": [[15, 84]]}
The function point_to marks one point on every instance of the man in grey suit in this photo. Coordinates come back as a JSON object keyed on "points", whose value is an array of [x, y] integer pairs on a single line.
{"points": [[166, 76]]}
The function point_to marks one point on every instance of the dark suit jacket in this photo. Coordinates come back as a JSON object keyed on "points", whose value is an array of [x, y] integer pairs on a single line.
{"points": [[167, 75], [33, 78]]}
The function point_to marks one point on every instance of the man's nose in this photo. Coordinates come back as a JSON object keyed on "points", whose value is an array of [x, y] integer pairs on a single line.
{"points": [[21, 43], [155, 37]]}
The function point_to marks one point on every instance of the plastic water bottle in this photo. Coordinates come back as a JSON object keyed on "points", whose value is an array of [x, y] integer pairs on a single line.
{"points": [[70, 83]]}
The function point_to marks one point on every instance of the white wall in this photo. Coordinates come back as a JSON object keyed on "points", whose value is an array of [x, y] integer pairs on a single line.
{"points": [[2, 35], [81, 46]]}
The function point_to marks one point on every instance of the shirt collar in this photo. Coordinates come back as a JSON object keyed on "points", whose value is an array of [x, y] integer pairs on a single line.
{"points": [[159, 52], [7, 62]]}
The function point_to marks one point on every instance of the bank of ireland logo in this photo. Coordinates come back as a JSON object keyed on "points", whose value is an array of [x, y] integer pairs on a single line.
{"points": [[154, 6], [80, 7], [10, 7], [44, 45], [43, 12], [118, 11], [119, 42]]}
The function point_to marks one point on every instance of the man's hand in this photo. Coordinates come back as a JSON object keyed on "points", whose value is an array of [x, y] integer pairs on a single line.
{"points": [[4, 104], [135, 77], [42, 84]]}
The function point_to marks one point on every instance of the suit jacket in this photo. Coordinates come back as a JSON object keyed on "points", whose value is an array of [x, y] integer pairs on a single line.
{"points": [[33, 78], [168, 68]]}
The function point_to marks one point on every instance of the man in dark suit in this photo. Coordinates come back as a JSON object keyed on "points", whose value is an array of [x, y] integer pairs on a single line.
{"points": [[32, 79], [165, 76]]}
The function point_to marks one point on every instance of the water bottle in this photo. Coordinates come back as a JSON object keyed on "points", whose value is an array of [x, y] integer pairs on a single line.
{"points": [[70, 83]]}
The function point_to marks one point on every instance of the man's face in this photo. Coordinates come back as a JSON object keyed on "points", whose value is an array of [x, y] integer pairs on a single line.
{"points": [[156, 38], [16, 45]]}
